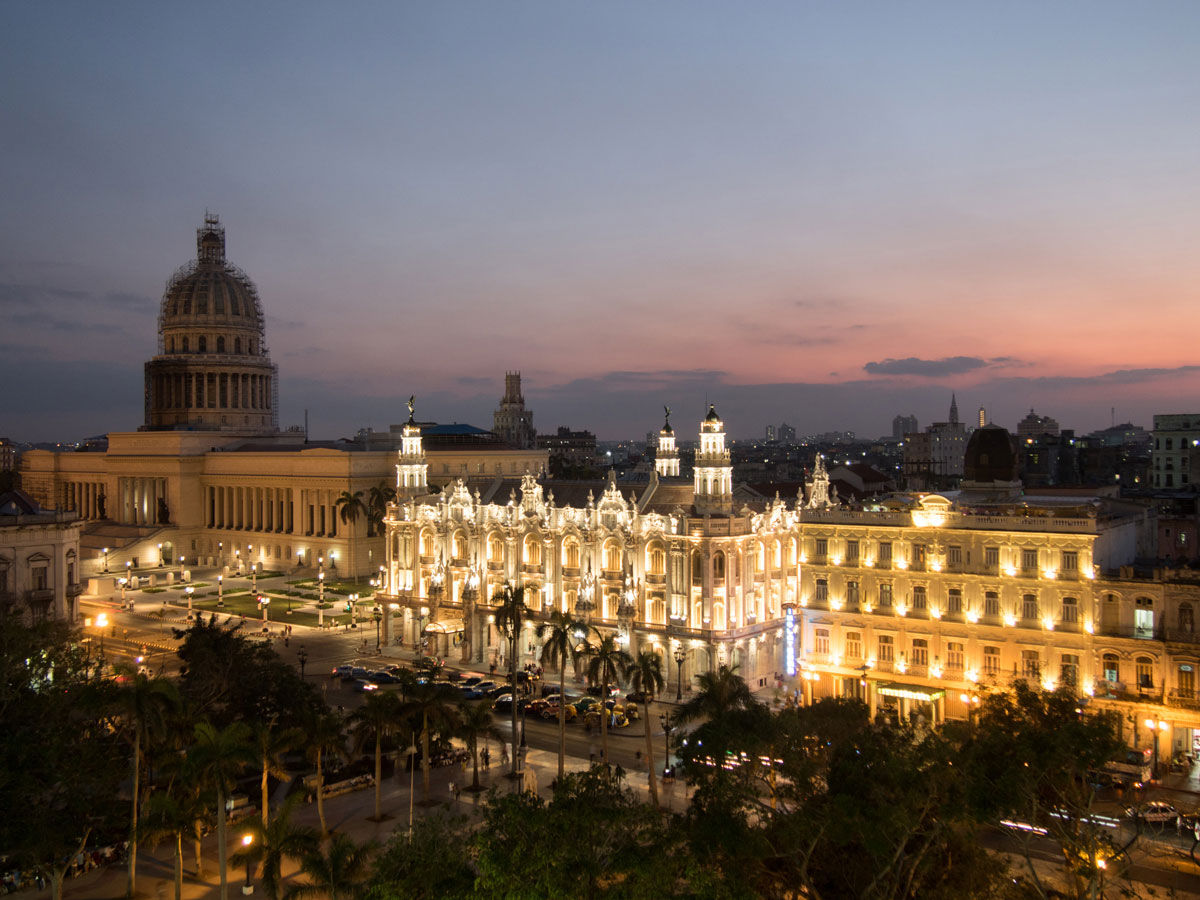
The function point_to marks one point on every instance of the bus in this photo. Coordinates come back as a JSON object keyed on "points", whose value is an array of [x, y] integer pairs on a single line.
{"points": [[1133, 769]]}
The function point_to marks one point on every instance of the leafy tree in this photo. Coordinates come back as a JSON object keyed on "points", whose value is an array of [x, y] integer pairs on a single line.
{"points": [[60, 758], [511, 612], [718, 693], [271, 744], [474, 722], [431, 863], [141, 710], [379, 497], [227, 677], [169, 814], [606, 662], [435, 707], [645, 674], [276, 840], [340, 872], [326, 737], [1029, 755], [378, 717], [560, 636], [218, 755]]}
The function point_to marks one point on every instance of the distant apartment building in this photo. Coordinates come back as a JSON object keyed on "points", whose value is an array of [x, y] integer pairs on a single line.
{"points": [[8, 455], [902, 425], [512, 421], [770, 435], [1034, 425], [1176, 450], [933, 460], [568, 449], [787, 433]]}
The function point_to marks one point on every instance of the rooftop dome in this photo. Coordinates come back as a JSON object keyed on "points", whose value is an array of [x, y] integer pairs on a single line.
{"points": [[212, 370], [210, 305], [990, 457]]}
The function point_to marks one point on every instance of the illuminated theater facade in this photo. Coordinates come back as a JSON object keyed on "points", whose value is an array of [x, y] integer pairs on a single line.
{"points": [[918, 604]]}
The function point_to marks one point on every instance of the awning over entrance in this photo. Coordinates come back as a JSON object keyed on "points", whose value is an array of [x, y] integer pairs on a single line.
{"points": [[449, 626], [909, 691]]}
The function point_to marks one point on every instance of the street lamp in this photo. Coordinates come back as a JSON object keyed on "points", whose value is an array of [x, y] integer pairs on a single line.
{"points": [[101, 624], [680, 654], [378, 614], [181, 568], [665, 719], [247, 840], [264, 602], [320, 599], [221, 591], [302, 658], [123, 582], [161, 561], [188, 590], [254, 579], [354, 610], [1155, 726], [105, 559], [128, 569]]}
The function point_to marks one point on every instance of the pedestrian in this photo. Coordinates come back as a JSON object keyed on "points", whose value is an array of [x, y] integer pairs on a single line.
{"points": [[486, 756], [503, 753]]}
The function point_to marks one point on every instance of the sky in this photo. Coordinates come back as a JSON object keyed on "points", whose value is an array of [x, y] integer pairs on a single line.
{"points": [[824, 214]]}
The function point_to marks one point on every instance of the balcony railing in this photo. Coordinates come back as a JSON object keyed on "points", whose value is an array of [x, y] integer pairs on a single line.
{"points": [[1183, 698], [1180, 636]]}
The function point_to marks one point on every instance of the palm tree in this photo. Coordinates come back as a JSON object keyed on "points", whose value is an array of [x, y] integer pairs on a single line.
{"points": [[171, 813], [560, 636], [434, 705], [349, 507], [606, 662], [645, 674], [218, 756], [377, 500], [143, 707], [340, 873], [719, 692], [274, 841], [326, 736], [509, 616], [271, 745], [474, 722], [377, 718]]}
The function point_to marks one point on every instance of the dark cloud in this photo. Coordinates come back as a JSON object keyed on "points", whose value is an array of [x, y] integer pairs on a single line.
{"points": [[1113, 378], [17, 294], [39, 319], [930, 368]]}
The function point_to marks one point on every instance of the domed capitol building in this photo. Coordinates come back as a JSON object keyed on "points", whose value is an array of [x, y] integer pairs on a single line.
{"points": [[209, 478]]}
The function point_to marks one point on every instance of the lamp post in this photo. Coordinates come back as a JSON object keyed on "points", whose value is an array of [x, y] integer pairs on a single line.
{"points": [[354, 610], [221, 553], [123, 582], [302, 658], [320, 599], [101, 624], [1155, 726], [189, 590], [264, 602], [161, 561], [665, 719], [220, 591], [378, 615], [247, 840], [105, 559], [128, 569], [680, 654], [181, 568], [254, 578]]}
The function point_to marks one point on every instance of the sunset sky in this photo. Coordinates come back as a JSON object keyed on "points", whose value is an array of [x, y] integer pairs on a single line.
{"points": [[819, 213]]}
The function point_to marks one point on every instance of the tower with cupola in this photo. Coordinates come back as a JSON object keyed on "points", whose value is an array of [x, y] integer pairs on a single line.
{"points": [[713, 478], [666, 460]]}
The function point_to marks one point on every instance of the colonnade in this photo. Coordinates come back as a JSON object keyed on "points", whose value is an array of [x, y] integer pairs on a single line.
{"points": [[279, 510], [138, 500], [212, 390], [84, 497]]}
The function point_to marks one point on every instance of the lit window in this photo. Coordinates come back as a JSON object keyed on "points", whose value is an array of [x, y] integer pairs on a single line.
{"points": [[1070, 609], [920, 652], [991, 604], [954, 655], [1031, 665], [822, 641], [954, 600], [991, 660], [853, 645], [1145, 672], [887, 648], [919, 599], [885, 595], [1029, 607]]}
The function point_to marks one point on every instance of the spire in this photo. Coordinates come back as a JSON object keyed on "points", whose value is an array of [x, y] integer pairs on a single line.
{"points": [[953, 409]]}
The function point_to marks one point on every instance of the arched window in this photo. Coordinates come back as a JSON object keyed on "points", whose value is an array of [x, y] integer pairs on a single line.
{"points": [[718, 566], [1187, 620], [533, 550], [612, 556], [202, 344], [458, 545], [571, 554], [1112, 668], [495, 549], [656, 560], [170, 345], [1143, 617], [185, 345], [237, 345], [221, 344], [697, 568]]}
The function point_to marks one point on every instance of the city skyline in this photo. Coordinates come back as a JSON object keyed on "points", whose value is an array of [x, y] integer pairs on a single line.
{"points": [[821, 216]]}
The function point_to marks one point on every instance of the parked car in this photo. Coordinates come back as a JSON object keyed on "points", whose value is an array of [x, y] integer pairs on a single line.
{"points": [[343, 672], [470, 693], [551, 712], [535, 707], [503, 703], [498, 691], [382, 678], [361, 686], [617, 719], [1154, 812], [595, 689], [472, 680], [637, 696]]}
